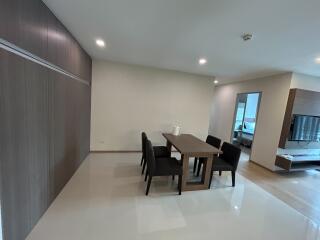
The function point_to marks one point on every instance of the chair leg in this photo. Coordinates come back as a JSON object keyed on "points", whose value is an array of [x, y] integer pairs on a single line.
{"points": [[148, 186], [233, 178], [144, 166], [199, 168], [211, 175], [180, 184], [220, 172], [141, 161], [172, 177], [195, 164], [145, 177]]}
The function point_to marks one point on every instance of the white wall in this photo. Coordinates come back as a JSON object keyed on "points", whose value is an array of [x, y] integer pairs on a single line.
{"points": [[306, 82], [128, 99], [275, 91]]}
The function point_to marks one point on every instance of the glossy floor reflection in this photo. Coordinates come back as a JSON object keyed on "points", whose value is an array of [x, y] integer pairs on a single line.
{"points": [[105, 200]]}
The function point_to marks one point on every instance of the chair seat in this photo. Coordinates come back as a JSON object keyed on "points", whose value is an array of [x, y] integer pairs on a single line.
{"points": [[221, 165], [161, 151], [167, 166]]}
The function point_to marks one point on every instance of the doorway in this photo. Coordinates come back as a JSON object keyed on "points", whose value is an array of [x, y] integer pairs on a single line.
{"points": [[244, 123]]}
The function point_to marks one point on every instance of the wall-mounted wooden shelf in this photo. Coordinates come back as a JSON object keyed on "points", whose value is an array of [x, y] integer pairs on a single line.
{"points": [[298, 162]]}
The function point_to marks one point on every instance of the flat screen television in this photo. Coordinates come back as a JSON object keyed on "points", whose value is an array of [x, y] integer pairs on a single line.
{"points": [[305, 128]]}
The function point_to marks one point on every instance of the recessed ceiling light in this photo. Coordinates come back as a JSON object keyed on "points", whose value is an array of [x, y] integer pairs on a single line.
{"points": [[202, 61], [100, 43], [215, 81], [317, 60]]}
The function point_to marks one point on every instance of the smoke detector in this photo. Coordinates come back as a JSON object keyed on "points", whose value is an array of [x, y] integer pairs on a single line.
{"points": [[247, 36]]}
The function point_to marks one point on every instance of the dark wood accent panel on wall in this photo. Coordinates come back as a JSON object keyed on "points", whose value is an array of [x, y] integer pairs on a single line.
{"points": [[25, 148], [302, 102], [70, 129], [287, 119], [44, 137], [13, 142], [33, 27], [44, 115]]}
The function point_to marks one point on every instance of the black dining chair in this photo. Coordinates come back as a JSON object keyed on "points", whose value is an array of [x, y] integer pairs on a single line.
{"points": [[167, 166], [213, 141], [227, 161], [159, 151]]}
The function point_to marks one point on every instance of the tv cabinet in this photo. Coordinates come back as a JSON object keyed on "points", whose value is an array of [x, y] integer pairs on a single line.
{"points": [[298, 162]]}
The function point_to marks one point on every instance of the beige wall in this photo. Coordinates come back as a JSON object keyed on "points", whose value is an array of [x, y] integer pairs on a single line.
{"points": [[306, 82], [275, 90], [128, 99]]}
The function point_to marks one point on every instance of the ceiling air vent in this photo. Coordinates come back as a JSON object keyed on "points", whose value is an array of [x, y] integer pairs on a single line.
{"points": [[247, 37]]}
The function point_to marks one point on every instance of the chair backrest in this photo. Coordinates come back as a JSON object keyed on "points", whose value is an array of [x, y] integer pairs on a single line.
{"points": [[144, 141], [213, 141], [231, 154], [151, 161]]}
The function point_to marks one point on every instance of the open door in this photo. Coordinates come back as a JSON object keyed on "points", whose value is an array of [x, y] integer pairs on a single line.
{"points": [[245, 119]]}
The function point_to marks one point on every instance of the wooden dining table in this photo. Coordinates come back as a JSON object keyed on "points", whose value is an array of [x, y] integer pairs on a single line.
{"points": [[190, 146]]}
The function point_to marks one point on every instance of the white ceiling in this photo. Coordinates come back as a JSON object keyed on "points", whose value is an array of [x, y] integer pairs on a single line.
{"points": [[173, 34]]}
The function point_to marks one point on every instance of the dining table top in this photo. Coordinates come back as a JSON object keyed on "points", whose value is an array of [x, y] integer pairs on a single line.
{"points": [[189, 144]]}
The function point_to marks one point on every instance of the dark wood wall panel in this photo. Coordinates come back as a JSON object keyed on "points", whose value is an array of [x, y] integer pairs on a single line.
{"points": [[14, 139], [287, 119], [45, 128], [70, 128], [31, 26], [302, 102], [37, 121], [24, 118], [44, 115]]}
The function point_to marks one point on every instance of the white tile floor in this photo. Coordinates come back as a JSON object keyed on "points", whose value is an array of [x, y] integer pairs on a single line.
{"points": [[105, 200]]}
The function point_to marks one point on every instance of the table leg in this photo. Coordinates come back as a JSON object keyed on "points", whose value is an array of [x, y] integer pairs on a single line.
{"points": [[205, 178], [206, 172], [185, 169]]}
